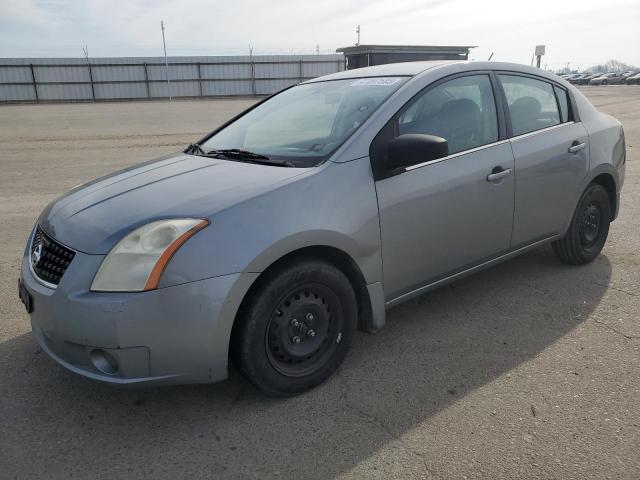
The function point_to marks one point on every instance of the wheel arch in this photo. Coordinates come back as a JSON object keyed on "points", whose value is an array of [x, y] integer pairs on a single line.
{"points": [[606, 176], [332, 255], [607, 181]]}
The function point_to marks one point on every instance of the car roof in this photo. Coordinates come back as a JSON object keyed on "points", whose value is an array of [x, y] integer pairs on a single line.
{"points": [[411, 69], [402, 69]]}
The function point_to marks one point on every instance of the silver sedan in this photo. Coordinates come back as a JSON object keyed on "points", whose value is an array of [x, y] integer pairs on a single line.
{"points": [[274, 238]]}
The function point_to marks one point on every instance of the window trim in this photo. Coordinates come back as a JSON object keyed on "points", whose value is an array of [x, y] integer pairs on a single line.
{"points": [[482, 147], [380, 173], [542, 130], [459, 154]]}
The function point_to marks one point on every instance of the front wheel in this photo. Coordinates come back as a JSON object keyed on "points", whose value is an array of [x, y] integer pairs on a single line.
{"points": [[589, 228], [296, 328]]}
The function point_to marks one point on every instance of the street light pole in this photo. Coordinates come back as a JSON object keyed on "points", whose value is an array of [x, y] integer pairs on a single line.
{"points": [[166, 63]]}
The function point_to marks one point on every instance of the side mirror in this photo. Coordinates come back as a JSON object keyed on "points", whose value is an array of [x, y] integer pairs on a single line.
{"points": [[413, 149]]}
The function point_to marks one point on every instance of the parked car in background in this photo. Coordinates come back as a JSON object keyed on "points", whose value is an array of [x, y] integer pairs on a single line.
{"points": [[597, 80], [612, 78], [265, 241], [578, 78], [587, 78], [626, 76], [633, 79]]}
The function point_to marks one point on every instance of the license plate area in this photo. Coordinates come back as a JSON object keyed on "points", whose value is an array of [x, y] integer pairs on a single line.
{"points": [[25, 297]]}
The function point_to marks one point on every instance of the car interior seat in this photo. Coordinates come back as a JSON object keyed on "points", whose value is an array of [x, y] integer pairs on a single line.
{"points": [[525, 115], [461, 124]]}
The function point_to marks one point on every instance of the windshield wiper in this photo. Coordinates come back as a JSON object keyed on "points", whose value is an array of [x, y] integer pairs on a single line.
{"points": [[237, 153], [246, 156]]}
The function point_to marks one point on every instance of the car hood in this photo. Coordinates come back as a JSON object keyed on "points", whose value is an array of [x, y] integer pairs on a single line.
{"points": [[92, 218]]}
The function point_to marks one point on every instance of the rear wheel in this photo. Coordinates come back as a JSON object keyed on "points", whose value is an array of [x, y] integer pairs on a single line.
{"points": [[296, 328], [589, 228]]}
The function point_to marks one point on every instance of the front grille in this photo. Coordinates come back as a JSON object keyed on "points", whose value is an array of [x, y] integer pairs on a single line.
{"points": [[49, 259]]}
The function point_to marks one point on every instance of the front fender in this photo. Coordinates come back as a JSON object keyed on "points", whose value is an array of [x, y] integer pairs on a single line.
{"points": [[335, 206]]}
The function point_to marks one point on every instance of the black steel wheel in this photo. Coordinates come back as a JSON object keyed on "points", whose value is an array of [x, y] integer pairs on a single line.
{"points": [[295, 328], [589, 228], [304, 330], [590, 225]]}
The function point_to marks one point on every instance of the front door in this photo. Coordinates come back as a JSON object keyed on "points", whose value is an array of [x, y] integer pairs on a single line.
{"points": [[452, 213]]}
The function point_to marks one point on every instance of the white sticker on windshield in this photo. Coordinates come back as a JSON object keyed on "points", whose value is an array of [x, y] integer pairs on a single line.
{"points": [[382, 81]]}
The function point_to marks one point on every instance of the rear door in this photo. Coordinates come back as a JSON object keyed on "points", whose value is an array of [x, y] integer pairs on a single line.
{"points": [[443, 216], [551, 151]]}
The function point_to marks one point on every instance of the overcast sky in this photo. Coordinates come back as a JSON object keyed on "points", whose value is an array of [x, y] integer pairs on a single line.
{"points": [[583, 32]]}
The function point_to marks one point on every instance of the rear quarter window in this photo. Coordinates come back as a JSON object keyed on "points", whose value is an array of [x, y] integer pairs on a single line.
{"points": [[563, 103]]}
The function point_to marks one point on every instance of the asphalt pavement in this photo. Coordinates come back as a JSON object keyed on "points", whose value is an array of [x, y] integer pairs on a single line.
{"points": [[528, 370]]}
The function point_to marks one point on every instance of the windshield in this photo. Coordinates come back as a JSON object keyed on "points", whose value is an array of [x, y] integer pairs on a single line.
{"points": [[305, 124]]}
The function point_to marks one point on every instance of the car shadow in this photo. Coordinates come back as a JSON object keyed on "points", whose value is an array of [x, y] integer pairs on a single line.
{"points": [[434, 350]]}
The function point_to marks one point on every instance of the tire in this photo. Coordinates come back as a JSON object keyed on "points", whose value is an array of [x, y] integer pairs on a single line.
{"points": [[296, 328], [589, 228]]}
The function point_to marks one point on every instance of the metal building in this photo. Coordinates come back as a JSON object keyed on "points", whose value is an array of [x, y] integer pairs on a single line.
{"points": [[367, 55], [138, 78]]}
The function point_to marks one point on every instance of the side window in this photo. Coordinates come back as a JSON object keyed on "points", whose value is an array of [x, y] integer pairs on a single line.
{"points": [[563, 103], [462, 111], [532, 103]]}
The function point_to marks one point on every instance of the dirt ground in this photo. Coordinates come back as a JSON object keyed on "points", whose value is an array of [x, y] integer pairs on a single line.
{"points": [[528, 370]]}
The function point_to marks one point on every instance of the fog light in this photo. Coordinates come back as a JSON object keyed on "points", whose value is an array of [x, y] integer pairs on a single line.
{"points": [[103, 361]]}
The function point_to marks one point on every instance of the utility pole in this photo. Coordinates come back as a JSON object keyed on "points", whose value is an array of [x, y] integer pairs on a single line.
{"points": [[166, 63], [317, 49], [85, 51], [253, 71], [358, 33]]}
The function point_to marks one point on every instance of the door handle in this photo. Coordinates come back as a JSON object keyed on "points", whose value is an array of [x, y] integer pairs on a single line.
{"points": [[577, 146], [497, 175]]}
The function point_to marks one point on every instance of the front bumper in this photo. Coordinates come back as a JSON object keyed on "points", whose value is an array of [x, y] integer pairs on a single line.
{"points": [[172, 335]]}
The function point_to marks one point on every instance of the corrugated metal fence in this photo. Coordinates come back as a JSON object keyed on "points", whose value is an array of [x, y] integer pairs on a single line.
{"points": [[134, 78]]}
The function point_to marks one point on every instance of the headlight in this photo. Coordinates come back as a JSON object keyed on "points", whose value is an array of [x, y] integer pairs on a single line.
{"points": [[138, 260]]}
